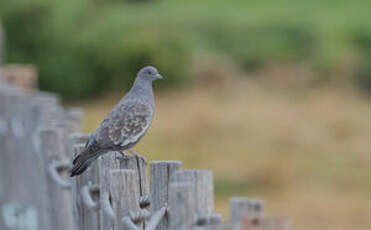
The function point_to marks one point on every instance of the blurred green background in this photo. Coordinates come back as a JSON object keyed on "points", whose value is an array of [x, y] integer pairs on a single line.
{"points": [[99, 44], [270, 95]]}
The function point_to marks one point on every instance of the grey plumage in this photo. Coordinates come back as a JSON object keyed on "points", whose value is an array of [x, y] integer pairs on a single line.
{"points": [[125, 125]]}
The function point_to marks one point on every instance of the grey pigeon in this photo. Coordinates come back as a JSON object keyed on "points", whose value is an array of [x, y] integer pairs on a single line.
{"points": [[125, 125]]}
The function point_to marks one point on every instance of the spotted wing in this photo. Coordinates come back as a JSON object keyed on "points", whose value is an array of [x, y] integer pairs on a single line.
{"points": [[125, 125]]}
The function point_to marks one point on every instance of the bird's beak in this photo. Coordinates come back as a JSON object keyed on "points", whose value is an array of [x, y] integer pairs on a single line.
{"points": [[159, 76]]}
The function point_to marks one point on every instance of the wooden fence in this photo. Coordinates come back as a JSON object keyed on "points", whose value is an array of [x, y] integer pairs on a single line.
{"points": [[38, 139]]}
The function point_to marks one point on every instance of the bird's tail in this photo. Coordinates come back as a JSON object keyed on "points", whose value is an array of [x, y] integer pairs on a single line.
{"points": [[82, 161]]}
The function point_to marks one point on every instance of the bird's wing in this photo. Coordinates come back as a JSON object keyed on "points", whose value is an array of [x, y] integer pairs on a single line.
{"points": [[125, 125]]}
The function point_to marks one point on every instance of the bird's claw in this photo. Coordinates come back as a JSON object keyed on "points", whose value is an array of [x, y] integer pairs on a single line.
{"points": [[142, 159], [123, 156], [137, 156]]}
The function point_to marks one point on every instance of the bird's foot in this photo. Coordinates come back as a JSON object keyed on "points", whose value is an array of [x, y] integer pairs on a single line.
{"points": [[136, 155], [123, 156]]}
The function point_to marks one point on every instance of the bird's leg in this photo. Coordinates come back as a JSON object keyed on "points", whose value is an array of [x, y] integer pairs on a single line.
{"points": [[137, 155], [123, 156]]}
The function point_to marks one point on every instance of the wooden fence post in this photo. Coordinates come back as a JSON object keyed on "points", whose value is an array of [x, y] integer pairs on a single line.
{"points": [[266, 223], [203, 195], [43, 100], [160, 173], [78, 138], [241, 207], [106, 163], [22, 179], [191, 200], [74, 120], [53, 147], [140, 167], [75, 139], [87, 196], [47, 109], [182, 205], [125, 199]]}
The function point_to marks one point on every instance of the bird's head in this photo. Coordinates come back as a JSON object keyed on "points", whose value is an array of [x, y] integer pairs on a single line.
{"points": [[149, 73]]}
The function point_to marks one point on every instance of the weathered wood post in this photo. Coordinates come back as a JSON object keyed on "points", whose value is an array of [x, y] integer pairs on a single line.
{"points": [[49, 113], [140, 167], [106, 163], [76, 139], [204, 194], [44, 100], [74, 120], [53, 148], [182, 206], [125, 198], [46, 109], [53, 145], [266, 223], [245, 208], [87, 196], [22, 204], [160, 173], [201, 181]]}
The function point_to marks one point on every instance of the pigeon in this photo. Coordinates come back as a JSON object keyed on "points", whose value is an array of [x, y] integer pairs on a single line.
{"points": [[125, 125]]}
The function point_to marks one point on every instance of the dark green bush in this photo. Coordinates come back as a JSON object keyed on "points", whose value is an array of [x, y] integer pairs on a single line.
{"points": [[362, 40], [166, 51], [363, 75], [80, 53], [24, 23], [90, 68], [83, 48], [254, 46]]}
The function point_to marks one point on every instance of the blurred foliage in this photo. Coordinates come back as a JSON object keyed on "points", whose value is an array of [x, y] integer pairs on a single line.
{"points": [[363, 76], [84, 47], [362, 40], [81, 54], [254, 46]]}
